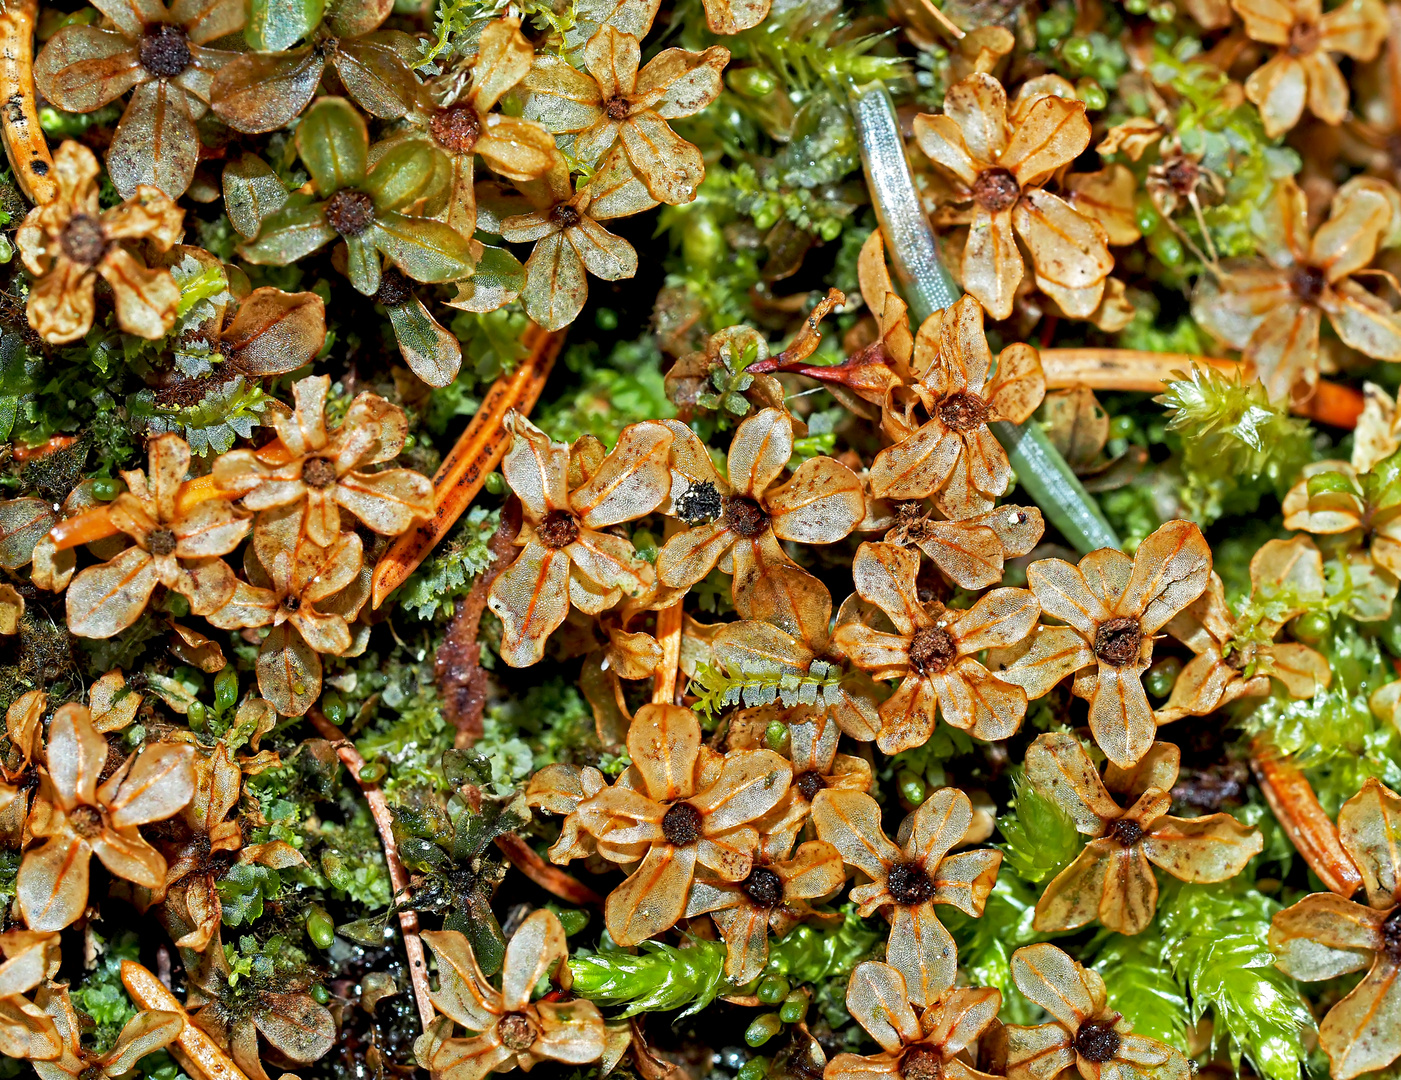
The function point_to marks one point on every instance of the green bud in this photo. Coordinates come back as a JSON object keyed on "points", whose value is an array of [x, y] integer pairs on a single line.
{"points": [[1136, 7], [794, 1008], [197, 715], [373, 773], [772, 989], [1166, 248], [1312, 627], [645, 541], [333, 705], [766, 217], [1162, 676], [225, 688], [319, 927], [1163, 13], [830, 229], [763, 1029], [775, 735], [320, 994], [605, 319], [753, 1069], [1121, 427], [105, 488], [573, 920], [912, 787], [1326, 483], [1078, 52], [1145, 215], [752, 82], [495, 484], [1091, 93], [702, 239], [177, 605]]}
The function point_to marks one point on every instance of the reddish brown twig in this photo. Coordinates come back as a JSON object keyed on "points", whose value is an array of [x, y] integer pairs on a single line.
{"points": [[550, 878], [664, 679], [1305, 822], [398, 876], [471, 459], [456, 666]]}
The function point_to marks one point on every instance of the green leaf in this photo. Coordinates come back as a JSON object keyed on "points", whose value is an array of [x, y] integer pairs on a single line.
{"points": [[275, 25], [425, 250], [362, 263], [658, 977], [252, 192], [288, 235], [334, 144], [409, 172], [243, 889]]}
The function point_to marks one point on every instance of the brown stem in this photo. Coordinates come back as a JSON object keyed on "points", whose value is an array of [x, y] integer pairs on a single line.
{"points": [[457, 665], [24, 140], [550, 878], [398, 876], [472, 458], [1305, 822]]}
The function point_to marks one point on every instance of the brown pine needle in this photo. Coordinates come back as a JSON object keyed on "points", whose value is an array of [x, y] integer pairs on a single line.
{"points": [[471, 460], [1305, 822]]}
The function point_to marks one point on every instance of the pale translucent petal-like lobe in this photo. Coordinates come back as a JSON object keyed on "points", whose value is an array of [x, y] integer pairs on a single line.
{"points": [[1072, 898], [654, 897], [750, 785], [1205, 849], [1369, 825], [877, 999], [1051, 979], [531, 600], [1063, 593], [664, 741], [850, 822], [922, 951], [1324, 936], [1363, 1031], [533, 952]]}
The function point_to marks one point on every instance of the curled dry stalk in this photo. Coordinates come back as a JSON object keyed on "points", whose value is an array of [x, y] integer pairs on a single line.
{"points": [[398, 876], [25, 144]]}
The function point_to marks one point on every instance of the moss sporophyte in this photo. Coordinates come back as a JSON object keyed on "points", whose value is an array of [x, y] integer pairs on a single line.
{"points": [[713, 540]]}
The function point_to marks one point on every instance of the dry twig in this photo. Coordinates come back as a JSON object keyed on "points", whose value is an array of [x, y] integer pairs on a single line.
{"points": [[398, 876]]}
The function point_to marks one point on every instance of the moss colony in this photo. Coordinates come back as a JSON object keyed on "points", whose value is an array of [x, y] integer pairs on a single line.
{"points": [[743, 540]]}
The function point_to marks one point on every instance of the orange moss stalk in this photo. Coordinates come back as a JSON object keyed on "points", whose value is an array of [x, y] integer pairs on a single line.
{"points": [[196, 1052], [25, 144], [1305, 822], [471, 460]]}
